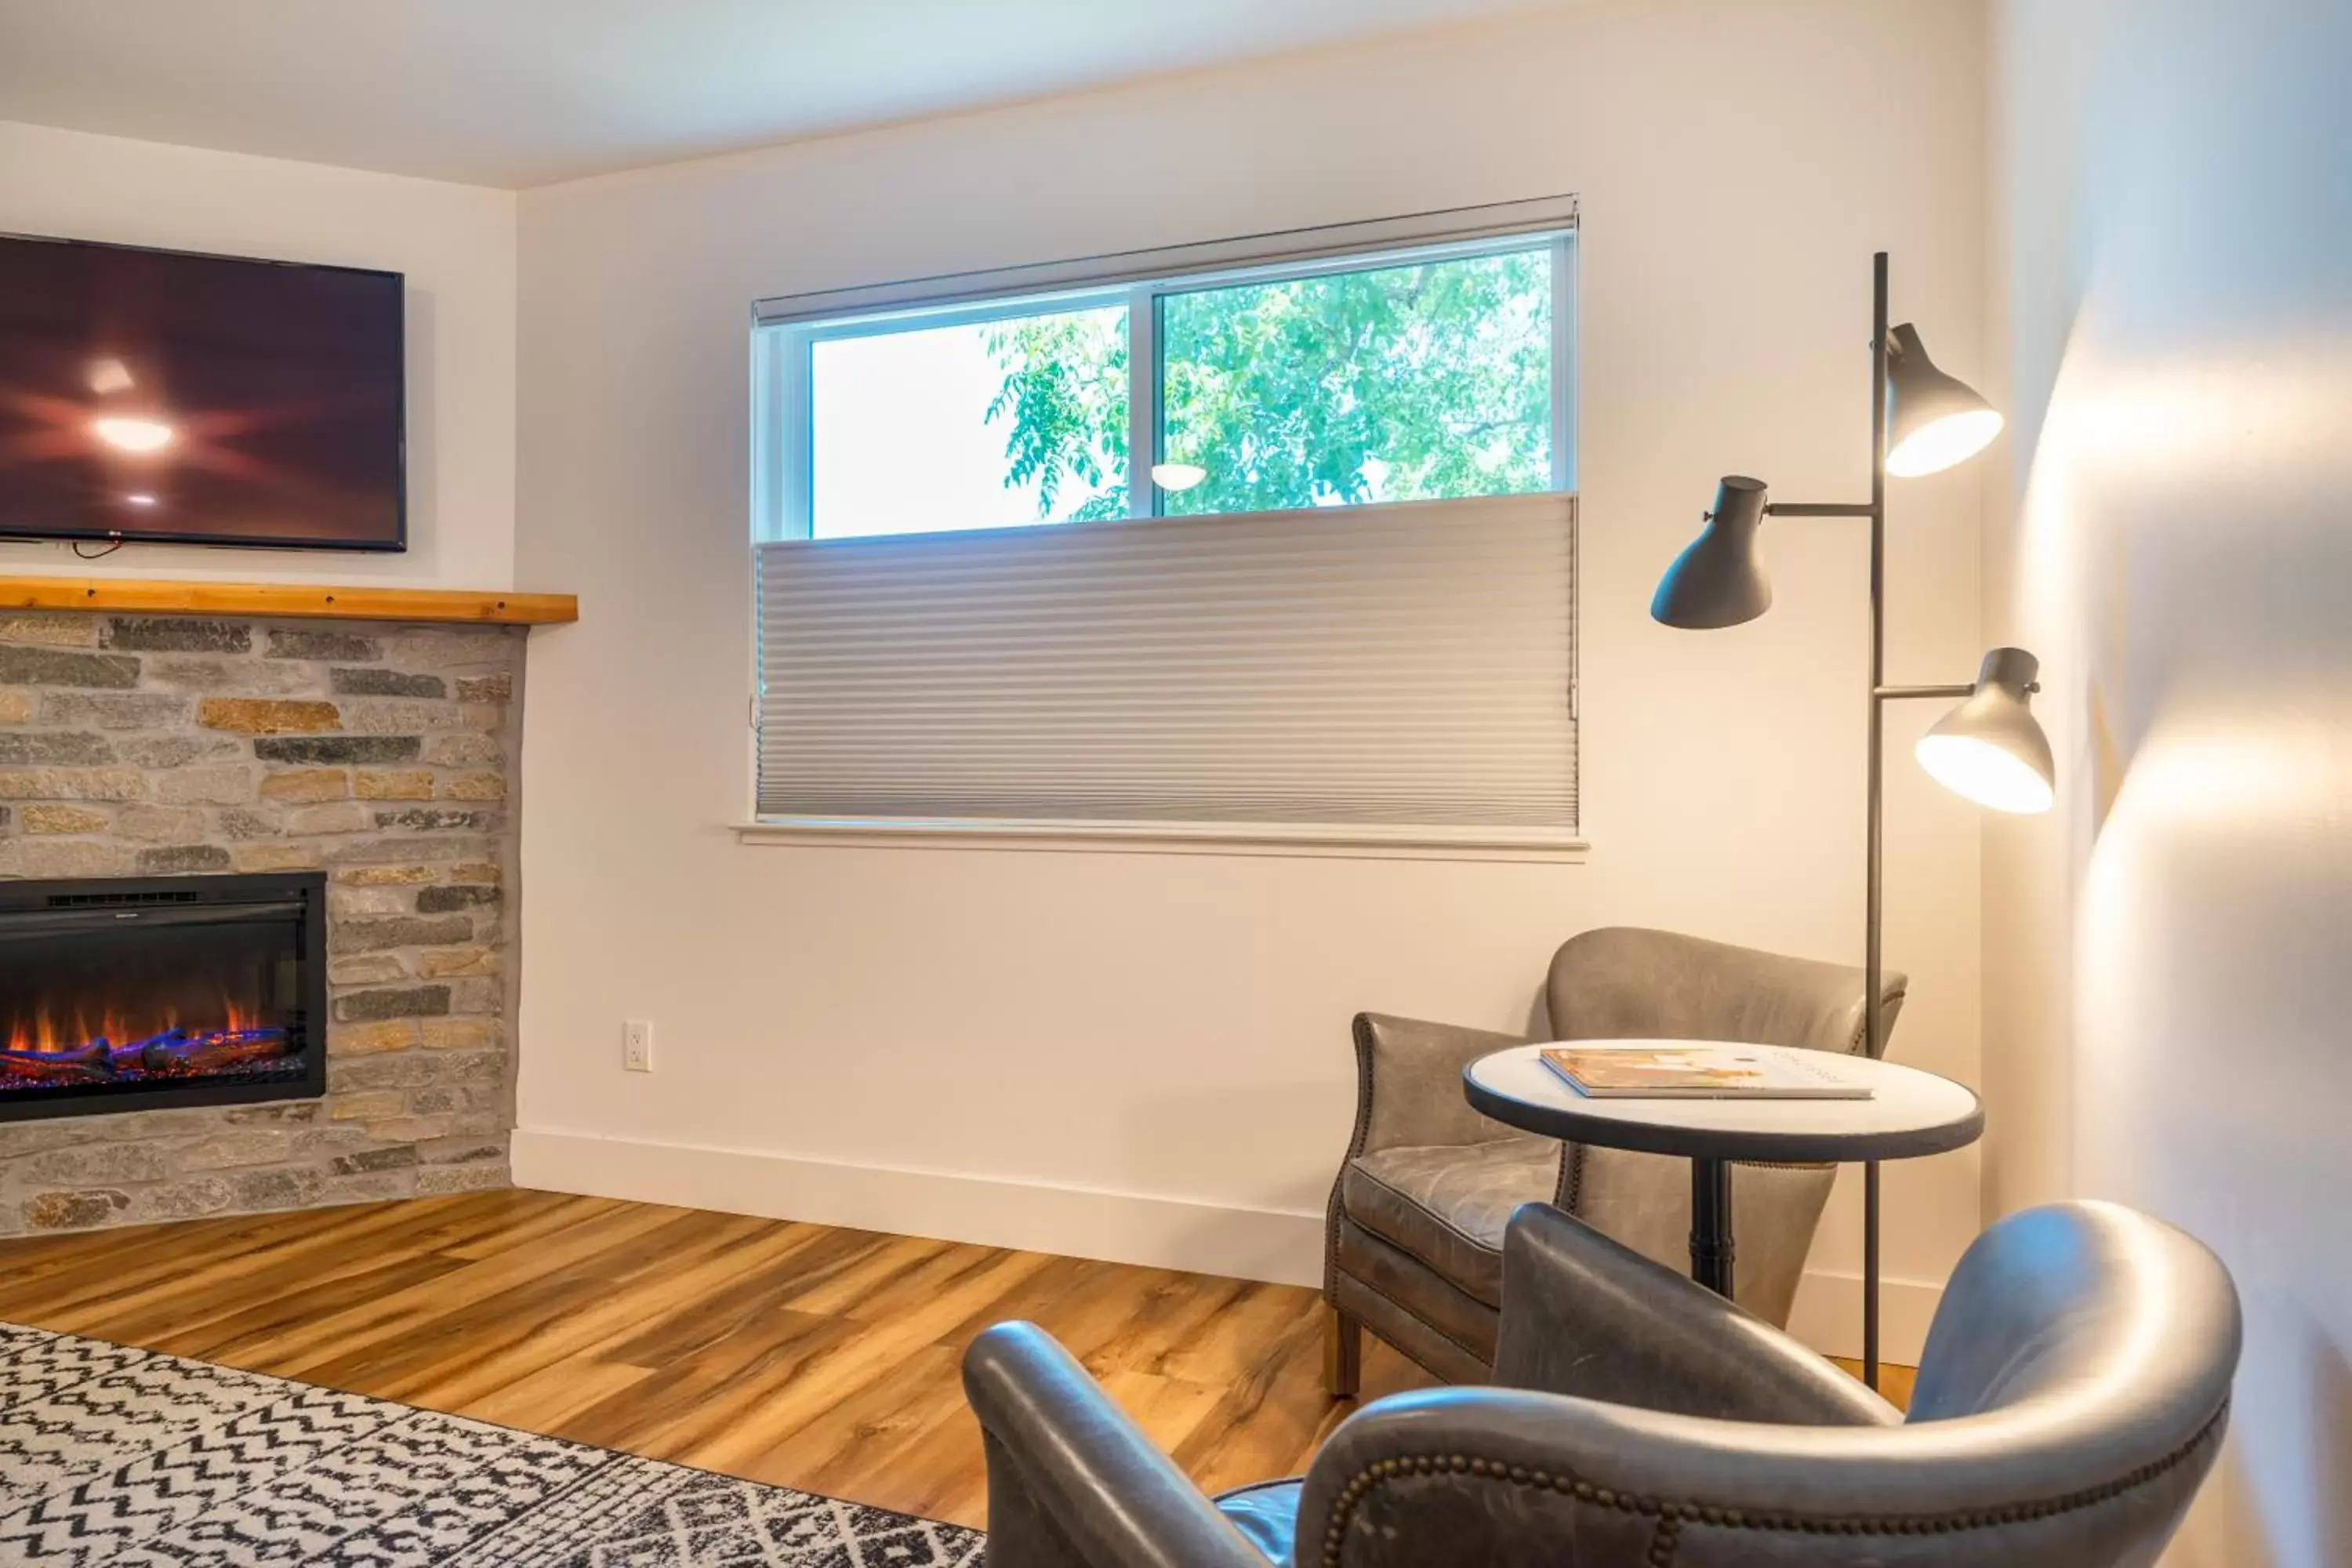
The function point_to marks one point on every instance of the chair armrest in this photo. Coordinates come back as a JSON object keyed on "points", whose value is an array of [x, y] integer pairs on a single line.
{"points": [[1072, 1482], [1409, 1083], [1584, 1315]]}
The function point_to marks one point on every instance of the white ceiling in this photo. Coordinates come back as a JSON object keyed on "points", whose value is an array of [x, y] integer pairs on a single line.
{"points": [[523, 92]]}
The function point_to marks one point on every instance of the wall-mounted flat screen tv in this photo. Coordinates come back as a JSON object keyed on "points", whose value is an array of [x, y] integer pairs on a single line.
{"points": [[167, 397]]}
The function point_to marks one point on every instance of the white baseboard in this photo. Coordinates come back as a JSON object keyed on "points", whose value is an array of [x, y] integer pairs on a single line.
{"points": [[1828, 1316], [1078, 1222], [1286, 1249]]}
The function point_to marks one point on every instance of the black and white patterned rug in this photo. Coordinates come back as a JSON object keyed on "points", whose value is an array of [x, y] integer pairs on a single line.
{"points": [[127, 1458]]}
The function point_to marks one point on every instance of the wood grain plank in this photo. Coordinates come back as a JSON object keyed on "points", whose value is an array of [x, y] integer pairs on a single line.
{"points": [[346, 602], [800, 1355]]}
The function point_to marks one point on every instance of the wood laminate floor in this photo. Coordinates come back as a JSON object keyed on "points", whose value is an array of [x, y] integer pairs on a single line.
{"points": [[798, 1354]]}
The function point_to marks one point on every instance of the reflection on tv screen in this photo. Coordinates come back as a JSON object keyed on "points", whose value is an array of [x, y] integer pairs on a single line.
{"points": [[155, 395]]}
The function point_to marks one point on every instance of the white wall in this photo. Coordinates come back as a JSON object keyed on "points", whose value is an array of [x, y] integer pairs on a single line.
{"points": [[455, 243], [1146, 1055], [2169, 977]]}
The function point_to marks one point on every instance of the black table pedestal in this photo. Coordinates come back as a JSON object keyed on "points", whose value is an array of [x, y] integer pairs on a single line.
{"points": [[1710, 1233]]}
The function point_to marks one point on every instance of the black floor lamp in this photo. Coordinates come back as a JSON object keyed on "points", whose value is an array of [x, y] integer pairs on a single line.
{"points": [[1988, 749]]}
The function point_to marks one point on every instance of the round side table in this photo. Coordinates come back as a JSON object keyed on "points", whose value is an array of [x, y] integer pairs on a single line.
{"points": [[1909, 1113]]}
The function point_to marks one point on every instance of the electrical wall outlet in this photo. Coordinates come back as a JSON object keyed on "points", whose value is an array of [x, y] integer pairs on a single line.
{"points": [[637, 1045]]}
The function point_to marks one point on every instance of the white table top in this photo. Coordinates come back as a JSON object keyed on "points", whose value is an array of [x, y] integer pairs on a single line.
{"points": [[1910, 1112]]}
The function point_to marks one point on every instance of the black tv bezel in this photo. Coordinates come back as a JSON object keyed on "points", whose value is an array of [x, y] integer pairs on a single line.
{"points": [[399, 541]]}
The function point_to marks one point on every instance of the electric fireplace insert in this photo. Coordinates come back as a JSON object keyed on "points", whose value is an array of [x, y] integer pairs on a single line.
{"points": [[130, 994]]}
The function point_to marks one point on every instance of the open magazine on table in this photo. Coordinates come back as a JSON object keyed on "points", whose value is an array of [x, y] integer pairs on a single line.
{"points": [[1700, 1070]]}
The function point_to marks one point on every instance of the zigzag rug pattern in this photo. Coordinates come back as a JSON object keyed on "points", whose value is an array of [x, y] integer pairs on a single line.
{"points": [[131, 1459]]}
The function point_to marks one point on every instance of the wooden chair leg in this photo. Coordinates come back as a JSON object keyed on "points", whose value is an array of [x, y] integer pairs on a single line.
{"points": [[1343, 1354]]}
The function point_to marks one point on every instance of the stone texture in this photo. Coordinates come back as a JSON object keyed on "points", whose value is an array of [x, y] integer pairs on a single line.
{"points": [[268, 716], [50, 630], [366, 1103], [333, 749], [47, 818], [307, 784], [221, 785], [434, 819], [275, 857], [381, 682], [463, 750], [73, 1211], [387, 876], [162, 744], [19, 747], [167, 751], [310, 642], [160, 824], [447, 962], [335, 817], [63, 857], [348, 902], [410, 1002], [458, 1034], [178, 633], [474, 786], [88, 783], [447, 899], [365, 1039], [244, 1146], [411, 930], [400, 716], [49, 667], [241, 823], [98, 1164], [182, 858], [366, 969], [115, 709], [231, 677], [408, 784]]}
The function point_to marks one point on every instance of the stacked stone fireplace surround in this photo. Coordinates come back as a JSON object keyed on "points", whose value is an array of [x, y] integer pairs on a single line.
{"points": [[381, 755]]}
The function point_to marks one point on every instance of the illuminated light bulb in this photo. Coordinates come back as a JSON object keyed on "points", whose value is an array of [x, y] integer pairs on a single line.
{"points": [[1991, 749], [1981, 772], [139, 498], [131, 432], [108, 376], [1933, 420], [1178, 475], [1954, 438]]}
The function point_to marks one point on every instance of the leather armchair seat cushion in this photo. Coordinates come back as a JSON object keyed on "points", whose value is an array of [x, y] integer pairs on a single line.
{"points": [[1267, 1513], [1446, 1206]]}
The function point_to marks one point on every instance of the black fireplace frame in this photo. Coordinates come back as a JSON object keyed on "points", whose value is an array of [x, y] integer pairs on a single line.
{"points": [[130, 893]]}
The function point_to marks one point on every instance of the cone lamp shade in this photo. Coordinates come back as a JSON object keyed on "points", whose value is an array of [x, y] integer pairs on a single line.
{"points": [[1718, 580], [1991, 749], [1932, 420]]}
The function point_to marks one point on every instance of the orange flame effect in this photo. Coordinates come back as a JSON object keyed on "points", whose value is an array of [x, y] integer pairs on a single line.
{"points": [[45, 1032]]}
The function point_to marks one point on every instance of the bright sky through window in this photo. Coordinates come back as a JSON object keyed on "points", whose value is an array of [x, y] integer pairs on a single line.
{"points": [[903, 442]]}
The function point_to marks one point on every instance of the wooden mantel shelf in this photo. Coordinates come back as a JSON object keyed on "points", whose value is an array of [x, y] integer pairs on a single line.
{"points": [[155, 596]]}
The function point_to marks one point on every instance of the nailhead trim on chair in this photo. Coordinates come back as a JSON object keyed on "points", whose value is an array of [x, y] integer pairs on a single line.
{"points": [[1672, 1514]]}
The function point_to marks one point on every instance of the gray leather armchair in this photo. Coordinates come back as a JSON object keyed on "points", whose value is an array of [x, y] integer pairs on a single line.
{"points": [[2069, 1403], [1414, 1231]]}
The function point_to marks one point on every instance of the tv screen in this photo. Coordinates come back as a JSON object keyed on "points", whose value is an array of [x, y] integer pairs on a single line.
{"points": [[161, 395]]}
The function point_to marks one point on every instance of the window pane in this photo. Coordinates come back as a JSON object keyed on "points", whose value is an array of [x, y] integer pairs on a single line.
{"points": [[990, 425], [1397, 383]]}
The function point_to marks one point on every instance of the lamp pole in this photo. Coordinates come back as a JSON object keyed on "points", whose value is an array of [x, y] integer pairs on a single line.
{"points": [[1989, 749], [1873, 892]]}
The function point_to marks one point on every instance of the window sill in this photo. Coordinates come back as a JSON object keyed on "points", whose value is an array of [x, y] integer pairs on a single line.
{"points": [[1344, 841]]}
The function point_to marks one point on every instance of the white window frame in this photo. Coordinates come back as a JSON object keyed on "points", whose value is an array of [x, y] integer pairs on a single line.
{"points": [[788, 328]]}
